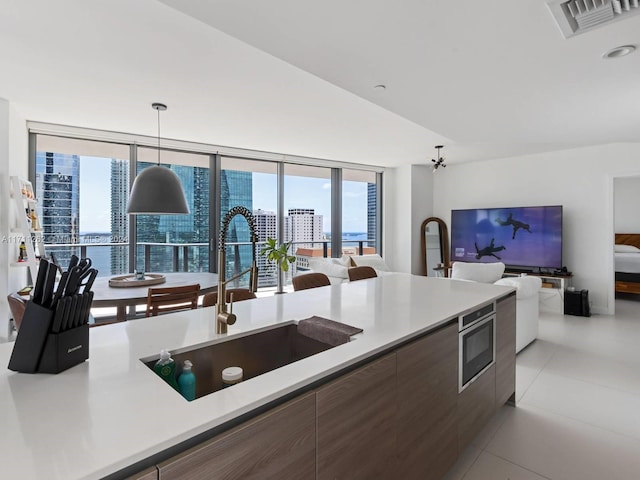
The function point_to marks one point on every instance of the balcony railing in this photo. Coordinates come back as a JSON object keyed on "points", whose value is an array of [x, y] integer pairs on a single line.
{"points": [[179, 255]]}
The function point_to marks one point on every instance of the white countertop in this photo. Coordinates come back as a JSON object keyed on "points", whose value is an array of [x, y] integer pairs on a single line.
{"points": [[112, 411]]}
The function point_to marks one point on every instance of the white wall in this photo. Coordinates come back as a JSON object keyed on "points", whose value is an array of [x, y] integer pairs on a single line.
{"points": [[408, 199], [13, 155], [579, 179], [627, 202]]}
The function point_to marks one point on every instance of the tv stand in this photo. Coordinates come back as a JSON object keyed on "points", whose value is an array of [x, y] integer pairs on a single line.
{"points": [[551, 295]]}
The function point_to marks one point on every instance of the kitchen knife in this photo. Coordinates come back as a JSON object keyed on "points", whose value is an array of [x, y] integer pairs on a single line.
{"points": [[83, 311], [73, 282], [73, 262], [61, 307], [67, 321], [47, 294], [40, 281], [90, 278], [60, 290]]}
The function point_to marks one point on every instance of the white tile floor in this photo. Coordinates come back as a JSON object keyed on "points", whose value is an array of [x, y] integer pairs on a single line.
{"points": [[577, 414]]}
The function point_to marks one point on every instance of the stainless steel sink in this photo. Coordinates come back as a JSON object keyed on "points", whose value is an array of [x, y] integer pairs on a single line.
{"points": [[256, 353]]}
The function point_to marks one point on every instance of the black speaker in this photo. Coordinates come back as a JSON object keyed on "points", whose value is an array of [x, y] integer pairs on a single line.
{"points": [[577, 303]]}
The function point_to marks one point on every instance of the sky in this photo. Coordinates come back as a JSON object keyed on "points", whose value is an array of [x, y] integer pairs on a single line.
{"points": [[300, 192]]}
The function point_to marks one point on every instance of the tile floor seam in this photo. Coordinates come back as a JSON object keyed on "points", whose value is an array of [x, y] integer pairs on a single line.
{"points": [[599, 427], [480, 450], [518, 465], [537, 374], [628, 392]]}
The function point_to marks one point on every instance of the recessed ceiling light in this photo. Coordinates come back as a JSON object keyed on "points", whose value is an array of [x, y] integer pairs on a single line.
{"points": [[380, 87], [619, 51]]}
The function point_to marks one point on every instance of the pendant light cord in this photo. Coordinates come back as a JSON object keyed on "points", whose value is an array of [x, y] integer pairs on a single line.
{"points": [[158, 137]]}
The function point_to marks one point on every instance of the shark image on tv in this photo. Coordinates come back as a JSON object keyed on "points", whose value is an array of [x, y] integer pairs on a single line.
{"points": [[516, 224], [488, 250]]}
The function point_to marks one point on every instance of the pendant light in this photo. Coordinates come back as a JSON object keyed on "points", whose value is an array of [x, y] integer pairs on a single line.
{"points": [[157, 190]]}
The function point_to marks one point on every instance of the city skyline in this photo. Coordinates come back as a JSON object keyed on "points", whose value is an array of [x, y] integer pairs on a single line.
{"points": [[95, 209]]}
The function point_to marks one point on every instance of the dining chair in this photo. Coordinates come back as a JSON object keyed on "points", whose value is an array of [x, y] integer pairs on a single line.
{"points": [[17, 306], [239, 294], [310, 280], [170, 299], [361, 273]]}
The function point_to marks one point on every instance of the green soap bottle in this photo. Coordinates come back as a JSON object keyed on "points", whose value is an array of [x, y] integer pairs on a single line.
{"points": [[166, 369]]}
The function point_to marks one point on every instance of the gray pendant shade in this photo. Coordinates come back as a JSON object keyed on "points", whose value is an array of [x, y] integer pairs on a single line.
{"points": [[157, 191]]}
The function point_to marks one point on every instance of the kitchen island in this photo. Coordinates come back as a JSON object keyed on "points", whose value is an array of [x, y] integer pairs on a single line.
{"points": [[112, 416]]}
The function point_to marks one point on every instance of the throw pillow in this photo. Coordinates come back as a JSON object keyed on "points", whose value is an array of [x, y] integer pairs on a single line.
{"points": [[619, 248], [326, 266], [374, 261]]}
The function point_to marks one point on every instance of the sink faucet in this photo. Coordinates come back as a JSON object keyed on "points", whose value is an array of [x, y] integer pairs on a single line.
{"points": [[226, 317]]}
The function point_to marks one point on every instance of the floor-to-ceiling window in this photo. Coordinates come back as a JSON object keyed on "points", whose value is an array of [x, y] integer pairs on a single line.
{"points": [[359, 212], [251, 184], [307, 213], [82, 189], [169, 243], [83, 186]]}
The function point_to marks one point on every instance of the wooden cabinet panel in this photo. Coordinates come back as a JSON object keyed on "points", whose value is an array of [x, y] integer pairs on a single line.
{"points": [[150, 473], [427, 398], [279, 444], [505, 350], [356, 423], [476, 406]]}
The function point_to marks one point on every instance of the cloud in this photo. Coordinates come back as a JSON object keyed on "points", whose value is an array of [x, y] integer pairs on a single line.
{"points": [[326, 186]]}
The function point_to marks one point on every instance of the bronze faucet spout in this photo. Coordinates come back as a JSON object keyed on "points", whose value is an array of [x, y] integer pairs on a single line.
{"points": [[224, 317]]}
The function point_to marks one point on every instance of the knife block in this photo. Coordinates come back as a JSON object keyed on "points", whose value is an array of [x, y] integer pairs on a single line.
{"points": [[36, 350], [64, 350]]}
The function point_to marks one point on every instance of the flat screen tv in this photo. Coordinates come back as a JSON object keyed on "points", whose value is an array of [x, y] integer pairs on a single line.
{"points": [[523, 238]]}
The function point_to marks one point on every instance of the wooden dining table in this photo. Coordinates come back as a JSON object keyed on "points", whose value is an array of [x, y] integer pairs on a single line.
{"points": [[122, 297]]}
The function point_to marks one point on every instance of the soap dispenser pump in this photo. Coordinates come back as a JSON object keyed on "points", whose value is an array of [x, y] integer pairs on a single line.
{"points": [[166, 369], [187, 381]]}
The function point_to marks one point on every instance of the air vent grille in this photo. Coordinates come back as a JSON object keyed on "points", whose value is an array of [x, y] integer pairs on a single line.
{"points": [[578, 16]]}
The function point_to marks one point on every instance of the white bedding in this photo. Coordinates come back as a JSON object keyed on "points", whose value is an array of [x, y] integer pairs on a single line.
{"points": [[627, 262]]}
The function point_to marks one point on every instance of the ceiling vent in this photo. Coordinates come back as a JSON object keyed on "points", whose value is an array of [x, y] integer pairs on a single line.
{"points": [[578, 16]]}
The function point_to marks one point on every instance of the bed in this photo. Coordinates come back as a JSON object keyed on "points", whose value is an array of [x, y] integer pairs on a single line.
{"points": [[627, 262]]}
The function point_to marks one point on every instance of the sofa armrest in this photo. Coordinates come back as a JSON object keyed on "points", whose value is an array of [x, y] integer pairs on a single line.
{"points": [[526, 286]]}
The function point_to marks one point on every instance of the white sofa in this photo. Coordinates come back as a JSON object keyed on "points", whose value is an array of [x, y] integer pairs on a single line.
{"points": [[527, 288], [336, 268]]}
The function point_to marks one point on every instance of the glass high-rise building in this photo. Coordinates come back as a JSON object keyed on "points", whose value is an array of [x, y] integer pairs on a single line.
{"points": [[119, 256], [175, 230], [371, 214], [57, 192], [236, 188]]}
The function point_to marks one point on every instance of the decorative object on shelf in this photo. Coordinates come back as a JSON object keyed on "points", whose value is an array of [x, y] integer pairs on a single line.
{"points": [[31, 246], [157, 190], [439, 161]]}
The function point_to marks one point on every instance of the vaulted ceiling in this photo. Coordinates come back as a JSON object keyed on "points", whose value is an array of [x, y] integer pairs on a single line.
{"points": [[486, 79]]}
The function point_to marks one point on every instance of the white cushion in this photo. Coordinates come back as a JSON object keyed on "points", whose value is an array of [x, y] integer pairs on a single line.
{"points": [[345, 261], [374, 261], [619, 248], [526, 286], [478, 272], [329, 268]]}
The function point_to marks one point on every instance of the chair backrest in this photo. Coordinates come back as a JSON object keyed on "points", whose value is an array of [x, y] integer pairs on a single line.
{"points": [[17, 306], [310, 280], [170, 299], [360, 273], [239, 294]]}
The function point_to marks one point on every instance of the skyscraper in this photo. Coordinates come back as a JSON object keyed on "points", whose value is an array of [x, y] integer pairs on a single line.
{"points": [[303, 225], [266, 226], [57, 191], [119, 219], [178, 229], [371, 214], [236, 188]]}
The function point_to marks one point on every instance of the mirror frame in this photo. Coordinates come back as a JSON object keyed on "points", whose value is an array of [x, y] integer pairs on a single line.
{"points": [[444, 244]]}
